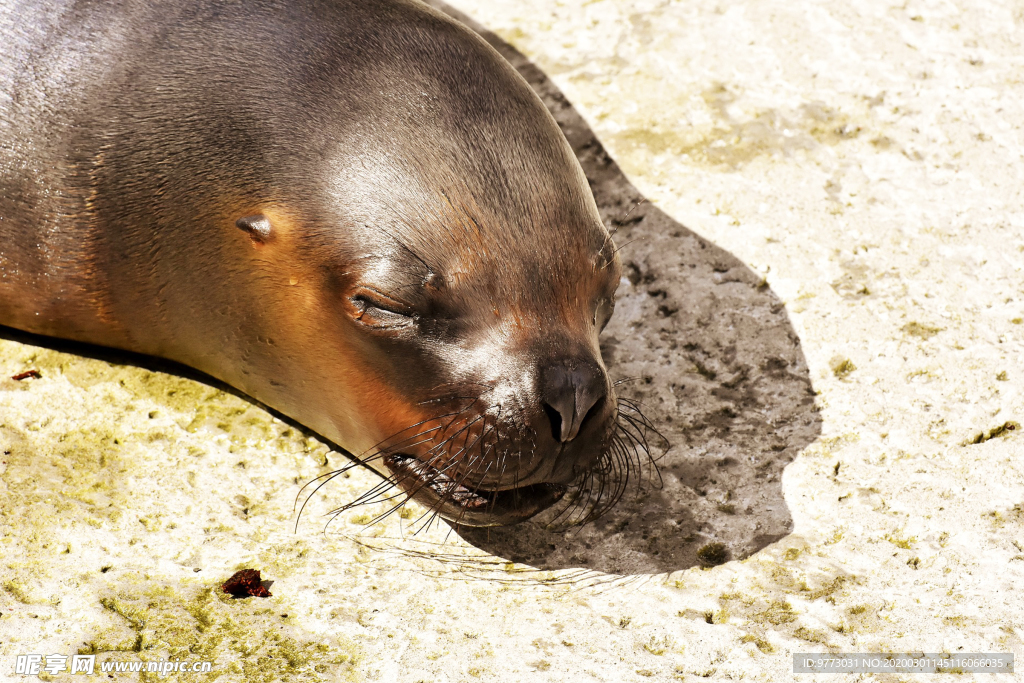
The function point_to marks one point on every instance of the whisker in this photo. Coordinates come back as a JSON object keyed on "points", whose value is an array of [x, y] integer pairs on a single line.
{"points": [[600, 489], [466, 445]]}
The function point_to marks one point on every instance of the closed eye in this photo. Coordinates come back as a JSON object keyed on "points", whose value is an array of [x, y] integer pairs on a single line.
{"points": [[379, 311]]}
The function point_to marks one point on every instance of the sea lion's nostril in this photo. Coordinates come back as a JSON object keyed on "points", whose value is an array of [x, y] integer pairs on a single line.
{"points": [[555, 418], [570, 393]]}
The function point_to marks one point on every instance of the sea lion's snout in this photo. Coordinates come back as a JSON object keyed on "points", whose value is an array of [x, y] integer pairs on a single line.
{"points": [[513, 449], [571, 393]]}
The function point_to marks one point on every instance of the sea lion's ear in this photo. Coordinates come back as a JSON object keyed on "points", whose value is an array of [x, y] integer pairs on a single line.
{"points": [[258, 226]]}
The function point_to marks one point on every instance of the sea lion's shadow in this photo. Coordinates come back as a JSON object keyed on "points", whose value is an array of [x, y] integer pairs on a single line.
{"points": [[719, 370]]}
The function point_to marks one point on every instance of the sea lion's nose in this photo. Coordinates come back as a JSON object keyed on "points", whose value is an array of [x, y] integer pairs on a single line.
{"points": [[570, 392]]}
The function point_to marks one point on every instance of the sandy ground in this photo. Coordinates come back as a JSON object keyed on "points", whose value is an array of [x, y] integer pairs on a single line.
{"points": [[822, 314]]}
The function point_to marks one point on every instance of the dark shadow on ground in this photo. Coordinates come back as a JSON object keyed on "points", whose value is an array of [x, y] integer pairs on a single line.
{"points": [[719, 370]]}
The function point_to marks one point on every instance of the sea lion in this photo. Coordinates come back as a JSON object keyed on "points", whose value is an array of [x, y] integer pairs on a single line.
{"points": [[355, 212]]}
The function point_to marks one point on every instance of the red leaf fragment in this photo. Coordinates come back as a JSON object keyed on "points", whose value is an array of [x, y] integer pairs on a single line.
{"points": [[246, 583], [34, 374]]}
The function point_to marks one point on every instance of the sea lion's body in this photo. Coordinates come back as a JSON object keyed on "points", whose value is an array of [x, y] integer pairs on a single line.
{"points": [[424, 274]]}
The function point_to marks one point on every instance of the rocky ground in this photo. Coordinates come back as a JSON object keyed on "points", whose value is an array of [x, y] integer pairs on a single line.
{"points": [[821, 216]]}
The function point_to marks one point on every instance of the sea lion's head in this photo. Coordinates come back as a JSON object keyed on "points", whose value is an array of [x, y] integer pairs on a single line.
{"points": [[454, 275], [421, 273], [478, 331]]}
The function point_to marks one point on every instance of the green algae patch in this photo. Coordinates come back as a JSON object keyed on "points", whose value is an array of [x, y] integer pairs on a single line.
{"points": [[191, 404], [920, 330], [733, 141], [243, 638], [658, 645], [762, 644], [1003, 430], [777, 613], [718, 616], [813, 636], [26, 594], [713, 554], [1000, 518], [841, 367], [134, 615], [87, 466], [861, 619], [828, 589], [176, 394], [901, 542], [792, 554], [830, 445], [216, 414]]}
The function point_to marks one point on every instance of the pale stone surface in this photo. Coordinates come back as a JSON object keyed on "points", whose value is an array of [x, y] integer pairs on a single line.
{"points": [[864, 158]]}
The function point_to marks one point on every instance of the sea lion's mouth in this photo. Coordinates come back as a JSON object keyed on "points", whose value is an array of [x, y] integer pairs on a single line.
{"points": [[468, 506]]}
